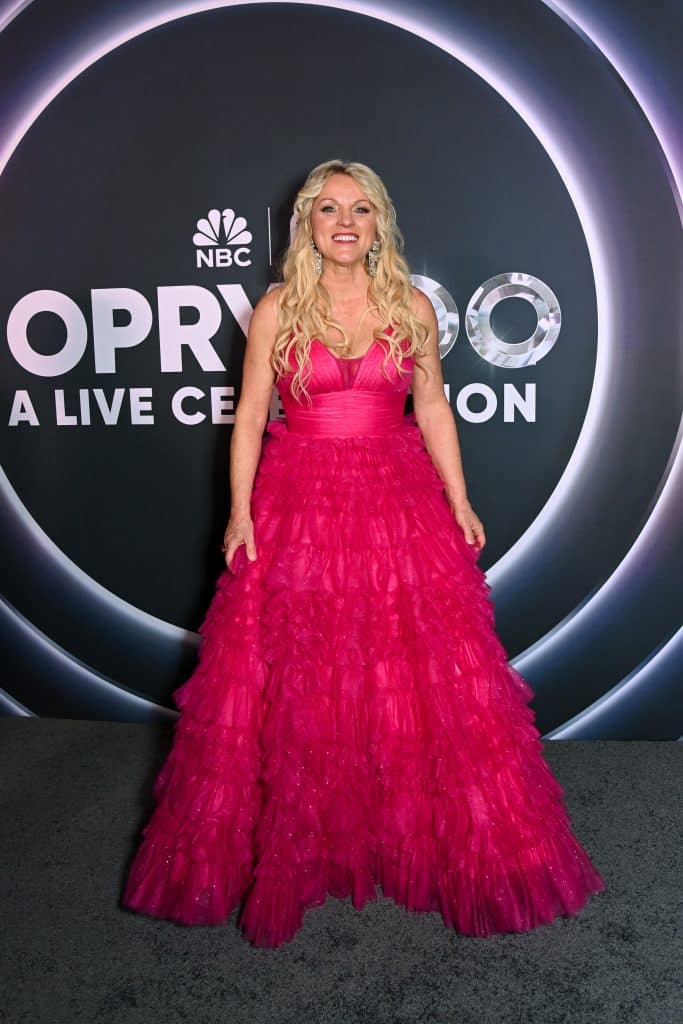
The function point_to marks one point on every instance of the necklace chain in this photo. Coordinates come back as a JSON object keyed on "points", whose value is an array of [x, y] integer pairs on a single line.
{"points": [[346, 346]]}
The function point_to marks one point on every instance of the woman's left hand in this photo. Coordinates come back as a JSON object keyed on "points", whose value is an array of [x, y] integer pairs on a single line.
{"points": [[469, 522]]}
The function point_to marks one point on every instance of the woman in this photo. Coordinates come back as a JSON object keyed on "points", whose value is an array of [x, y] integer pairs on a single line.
{"points": [[353, 720]]}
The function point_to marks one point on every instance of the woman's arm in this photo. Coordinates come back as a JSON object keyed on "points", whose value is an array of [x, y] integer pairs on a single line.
{"points": [[251, 416], [435, 419]]}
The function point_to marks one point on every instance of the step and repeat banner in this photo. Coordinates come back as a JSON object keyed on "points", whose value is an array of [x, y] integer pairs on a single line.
{"points": [[150, 153]]}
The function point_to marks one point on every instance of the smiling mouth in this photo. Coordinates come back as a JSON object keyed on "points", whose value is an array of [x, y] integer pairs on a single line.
{"points": [[344, 238]]}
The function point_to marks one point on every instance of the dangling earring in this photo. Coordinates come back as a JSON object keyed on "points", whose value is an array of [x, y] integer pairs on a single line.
{"points": [[317, 259], [373, 258]]}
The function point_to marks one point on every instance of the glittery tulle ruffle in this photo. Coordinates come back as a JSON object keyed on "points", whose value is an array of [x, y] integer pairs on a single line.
{"points": [[353, 720]]}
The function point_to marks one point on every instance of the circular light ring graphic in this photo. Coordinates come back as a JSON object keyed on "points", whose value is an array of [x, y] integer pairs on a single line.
{"points": [[563, 162], [655, 679], [586, 26], [485, 341], [578, 189], [55, 671]]}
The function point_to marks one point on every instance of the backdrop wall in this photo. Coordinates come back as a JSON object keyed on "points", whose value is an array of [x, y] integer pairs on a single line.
{"points": [[150, 155]]}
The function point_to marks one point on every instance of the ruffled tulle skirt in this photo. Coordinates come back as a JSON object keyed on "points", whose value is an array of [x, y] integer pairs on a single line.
{"points": [[353, 720]]}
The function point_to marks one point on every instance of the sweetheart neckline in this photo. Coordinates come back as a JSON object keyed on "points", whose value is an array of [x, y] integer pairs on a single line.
{"points": [[351, 359]]}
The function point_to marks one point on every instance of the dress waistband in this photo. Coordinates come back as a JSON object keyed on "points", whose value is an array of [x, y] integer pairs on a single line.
{"points": [[346, 414]]}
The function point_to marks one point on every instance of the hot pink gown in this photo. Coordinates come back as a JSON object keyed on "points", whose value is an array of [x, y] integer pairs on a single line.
{"points": [[352, 720]]}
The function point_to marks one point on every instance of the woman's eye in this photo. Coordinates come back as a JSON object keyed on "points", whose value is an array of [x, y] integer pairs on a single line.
{"points": [[331, 209]]}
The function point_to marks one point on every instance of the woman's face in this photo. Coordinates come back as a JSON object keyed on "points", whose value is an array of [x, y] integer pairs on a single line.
{"points": [[343, 221]]}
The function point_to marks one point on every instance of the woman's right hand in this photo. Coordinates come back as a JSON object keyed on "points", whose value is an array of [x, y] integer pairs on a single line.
{"points": [[240, 530]]}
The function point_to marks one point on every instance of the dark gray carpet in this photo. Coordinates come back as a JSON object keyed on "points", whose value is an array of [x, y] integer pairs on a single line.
{"points": [[76, 793]]}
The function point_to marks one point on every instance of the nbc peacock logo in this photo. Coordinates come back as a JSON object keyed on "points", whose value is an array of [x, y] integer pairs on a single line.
{"points": [[222, 240]]}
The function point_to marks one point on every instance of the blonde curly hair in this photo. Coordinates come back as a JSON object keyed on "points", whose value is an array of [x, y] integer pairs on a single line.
{"points": [[305, 306]]}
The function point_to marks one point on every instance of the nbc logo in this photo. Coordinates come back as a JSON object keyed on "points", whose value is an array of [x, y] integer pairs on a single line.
{"points": [[222, 239]]}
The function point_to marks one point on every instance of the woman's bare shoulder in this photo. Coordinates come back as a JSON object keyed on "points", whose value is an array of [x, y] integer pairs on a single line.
{"points": [[265, 316], [269, 302], [420, 305]]}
